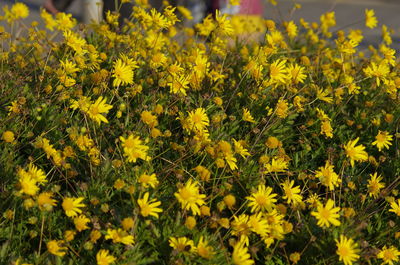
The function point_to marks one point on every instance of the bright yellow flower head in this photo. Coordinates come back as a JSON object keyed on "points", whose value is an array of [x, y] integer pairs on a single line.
{"points": [[383, 140], [97, 109], [347, 250], [81, 223], [327, 215], [55, 247], [278, 72], [355, 153], [19, 10], [72, 206], [247, 116], [197, 120], [134, 149], [8, 136], [45, 201], [370, 19], [261, 200], [182, 244], [327, 176], [149, 207], [379, 71], [374, 185], [291, 193], [103, 257], [389, 255], [395, 207], [204, 250], [240, 254], [148, 180], [122, 73], [278, 164], [190, 197], [119, 236]]}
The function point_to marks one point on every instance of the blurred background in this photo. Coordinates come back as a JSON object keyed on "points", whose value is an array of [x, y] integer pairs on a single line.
{"points": [[349, 13]]}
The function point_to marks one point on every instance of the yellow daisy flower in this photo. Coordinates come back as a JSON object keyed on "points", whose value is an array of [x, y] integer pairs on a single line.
{"points": [[103, 257], [355, 153], [96, 110], [72, 206], [347, 250], [383, 140], [389, 255], [327, 215], [262, 199], [149, 207]]}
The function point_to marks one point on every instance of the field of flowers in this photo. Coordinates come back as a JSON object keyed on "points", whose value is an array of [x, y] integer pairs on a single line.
{"points": [[155, 143]]}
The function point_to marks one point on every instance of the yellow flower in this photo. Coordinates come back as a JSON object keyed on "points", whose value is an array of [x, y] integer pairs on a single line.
{"points": [[277, 165], [119, 236], [347, 250], [149, 119], [282, 108], [230, 201], [69, 235], [203, 173], [27, 183], [247, 116], [327, 215], [262, 199], [327, 176], [149, 207], [380, 72], [72, 206], [295, 257], [240, 254], [326, 128], [197, 120], [296, 73], [291, 193], [45, 201], [122, 73], [190, 222], [37, 174], [103, 257], [204, 250], [291, 29], [185, 12], [374, 185], [55, 247], [182, 244], [134, 149], [96, 110], [178, 85], [278, 72], [273, 142], [94, 235], [259, 224], [382, 140], [355, 153], [370, 19], [8, 136], [389, 255], [81, 223], [395, 207], [127, 223], [148, 180], [190, 198], [19, 10], [72, 39], [239, 148]]}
